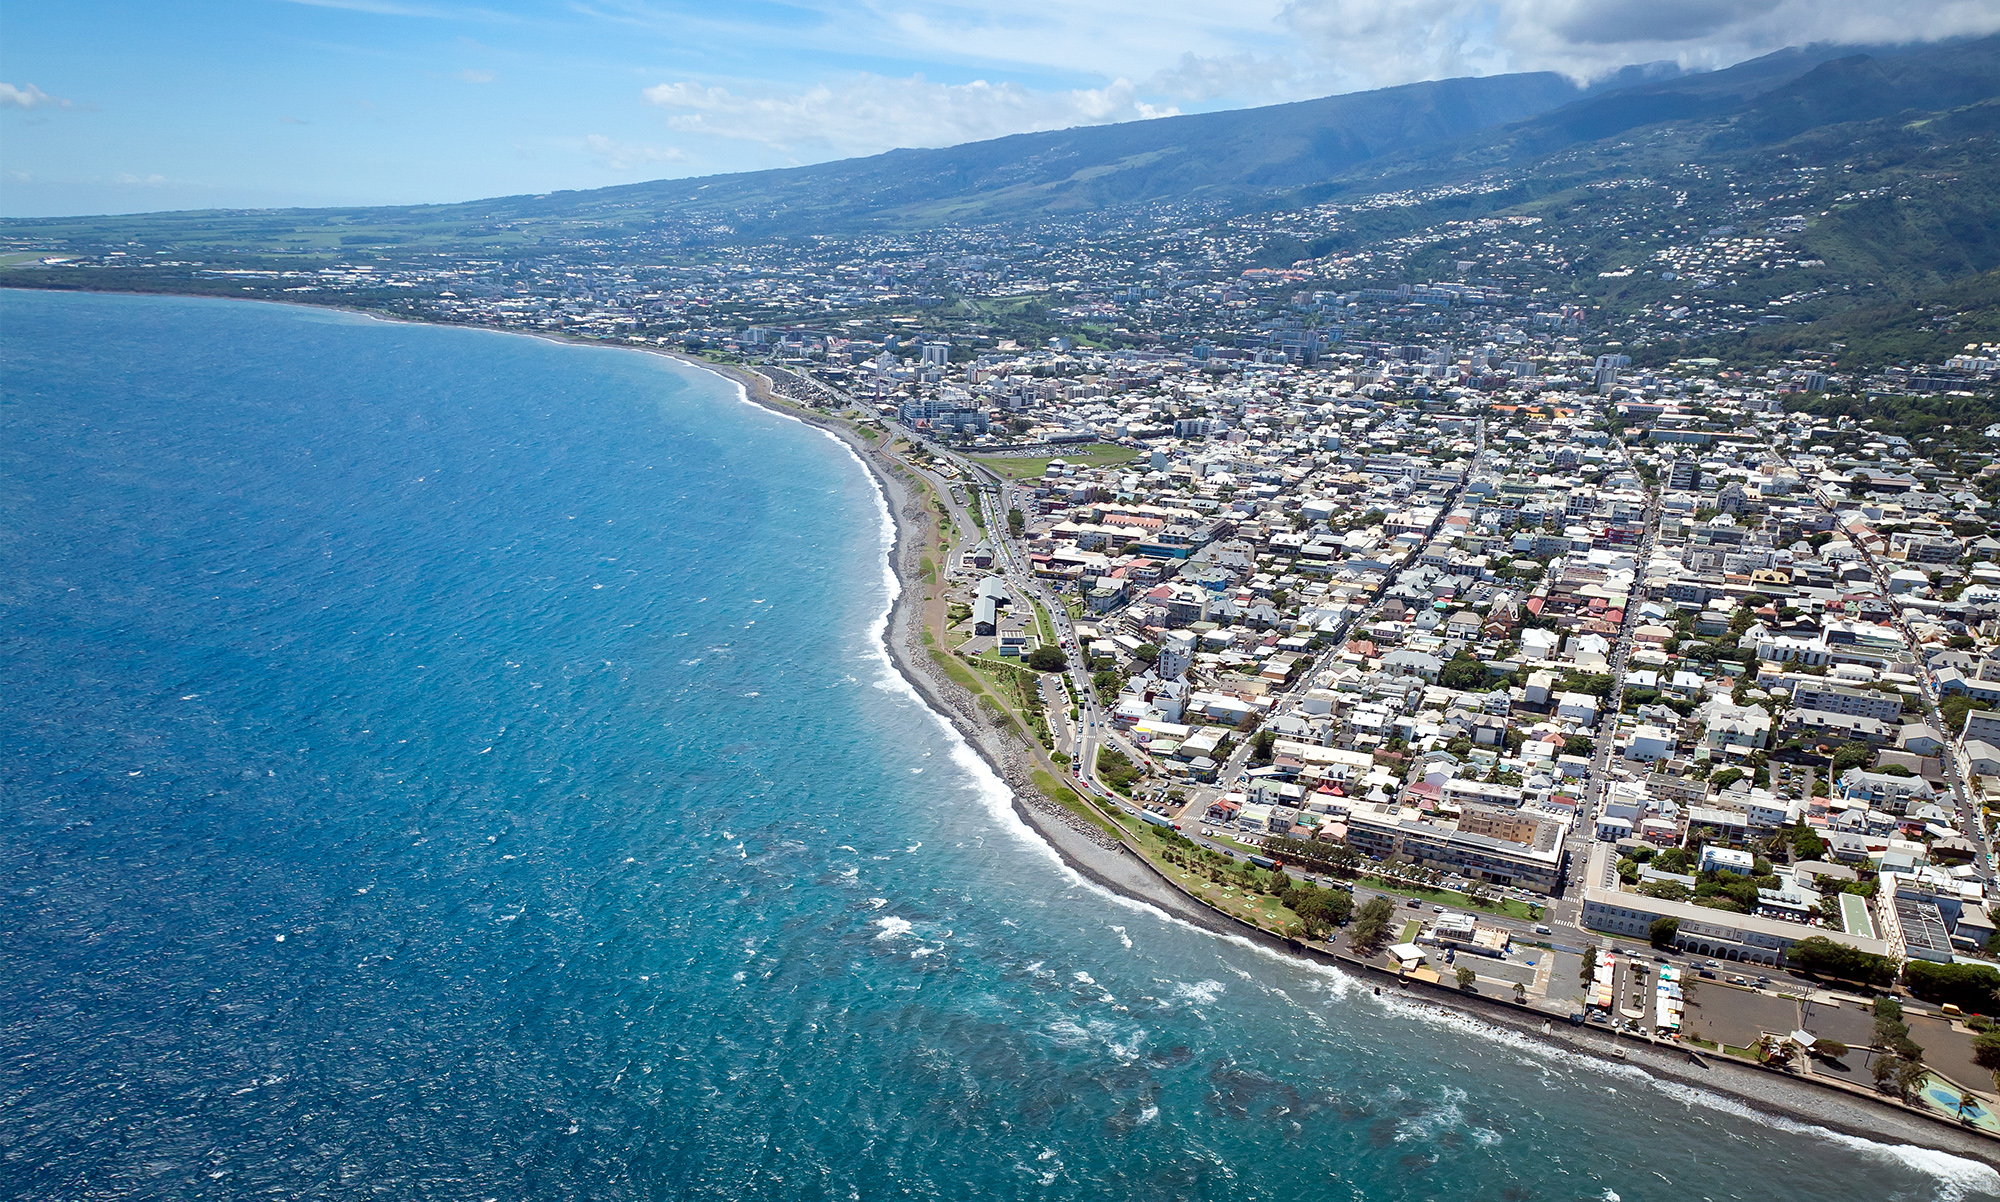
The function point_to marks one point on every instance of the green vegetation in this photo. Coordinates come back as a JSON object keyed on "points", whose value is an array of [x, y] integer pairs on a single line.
{"points": [[1096, 454], [1968, 986], [1371, 926], [1115, 768], [1067, 798], [1823, 957], [1986, 1053], [1046, 658]]}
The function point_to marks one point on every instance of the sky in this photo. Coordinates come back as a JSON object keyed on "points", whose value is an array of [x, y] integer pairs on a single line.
{"points": [[116, 107]]}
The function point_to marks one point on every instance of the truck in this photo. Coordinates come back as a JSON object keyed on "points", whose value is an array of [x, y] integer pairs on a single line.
{"points": [[1159, 820], [1266, 862]]}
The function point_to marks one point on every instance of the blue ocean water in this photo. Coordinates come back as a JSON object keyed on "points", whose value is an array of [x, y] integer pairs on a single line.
{"points": [[445, 764]]}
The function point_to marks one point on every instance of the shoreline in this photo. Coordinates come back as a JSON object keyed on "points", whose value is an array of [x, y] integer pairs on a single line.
{"points": [[1782, 1099], [1773, 1096]]}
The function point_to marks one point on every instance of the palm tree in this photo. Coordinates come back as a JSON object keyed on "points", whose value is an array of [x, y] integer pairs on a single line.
{"points": [[1966, 1102], [1909, 1075]]}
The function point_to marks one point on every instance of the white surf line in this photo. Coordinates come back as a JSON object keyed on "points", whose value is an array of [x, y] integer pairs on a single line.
{"points": [[1957, 1176]]}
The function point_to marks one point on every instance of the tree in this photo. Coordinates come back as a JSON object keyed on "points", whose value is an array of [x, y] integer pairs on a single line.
{"points": [[1146, 653], [1589, 970], [1116, 767], [1852, 754], [1829, 1049], [1883, 1069], [1520, 994], [1260, 747], [1968, 986], [1986, 1053], [1806, 843], [1371, 925], [1046, 658], [1016, 522], [1466, 977], [1725, 778], [1463, 671], [1909, 1077], [1822, 956], [1664, 931]]}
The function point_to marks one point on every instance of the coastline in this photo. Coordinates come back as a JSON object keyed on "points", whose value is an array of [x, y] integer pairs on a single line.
{"points": [[1766, 1095]]}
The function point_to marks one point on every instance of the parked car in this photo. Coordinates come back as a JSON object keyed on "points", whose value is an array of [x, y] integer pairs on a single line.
{"points": [[1707, 974]]}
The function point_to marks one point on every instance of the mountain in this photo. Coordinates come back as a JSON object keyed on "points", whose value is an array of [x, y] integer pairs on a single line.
{"points": [[1210, 161], [1205, 158]]}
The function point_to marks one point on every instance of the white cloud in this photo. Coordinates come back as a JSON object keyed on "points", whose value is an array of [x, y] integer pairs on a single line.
{"points": [[624, 156], [866, 114], [1372, 43], [28, 96], [1236, 76]]}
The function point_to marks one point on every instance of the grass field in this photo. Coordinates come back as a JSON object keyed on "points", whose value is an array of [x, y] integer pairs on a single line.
{"points": [[1444, 897], [1066, 797], [1096, 454]]}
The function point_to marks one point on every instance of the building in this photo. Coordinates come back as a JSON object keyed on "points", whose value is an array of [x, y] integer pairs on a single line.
{"points": [[1839, 699], [1702, 932], [1384, 831], [1726, 859]]}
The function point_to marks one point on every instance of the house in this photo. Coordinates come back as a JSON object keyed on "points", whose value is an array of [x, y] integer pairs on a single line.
{"points": [[1982, 758], [1577, 707], [1650, 743], [1406, 662], [1882, 791], [1726, 859], [986, 606], [1737, 729], [1920, 738]]}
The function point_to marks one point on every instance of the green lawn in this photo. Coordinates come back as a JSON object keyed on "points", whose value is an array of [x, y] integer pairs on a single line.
{"points": [[1047, 628], [1096, 454], [957, 671], [1066, 797], [1444, 897]]}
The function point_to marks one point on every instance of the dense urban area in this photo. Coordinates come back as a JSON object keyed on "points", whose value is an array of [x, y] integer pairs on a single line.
{"points": [[1477, 596]]}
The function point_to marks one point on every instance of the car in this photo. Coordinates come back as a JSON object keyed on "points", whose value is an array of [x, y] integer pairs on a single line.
{"points": [[1707, 974], [1543, 931], [1414, 904], [1763, 980], [1437, 909], [1738, 981], [1710, 964]]}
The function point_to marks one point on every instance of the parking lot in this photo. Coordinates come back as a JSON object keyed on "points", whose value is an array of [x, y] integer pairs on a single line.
{"points": [[1723, 1013]]}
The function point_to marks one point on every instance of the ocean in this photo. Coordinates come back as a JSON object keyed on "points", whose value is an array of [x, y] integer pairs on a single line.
{"points": [[438, 763]]}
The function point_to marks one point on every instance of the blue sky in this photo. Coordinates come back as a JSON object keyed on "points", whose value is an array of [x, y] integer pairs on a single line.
{"points": [[120, 107]]}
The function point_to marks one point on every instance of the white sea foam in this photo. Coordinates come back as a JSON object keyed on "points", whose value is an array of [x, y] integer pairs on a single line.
{"points": [[1201, 993], [1957, 1176], [892, 926]]}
